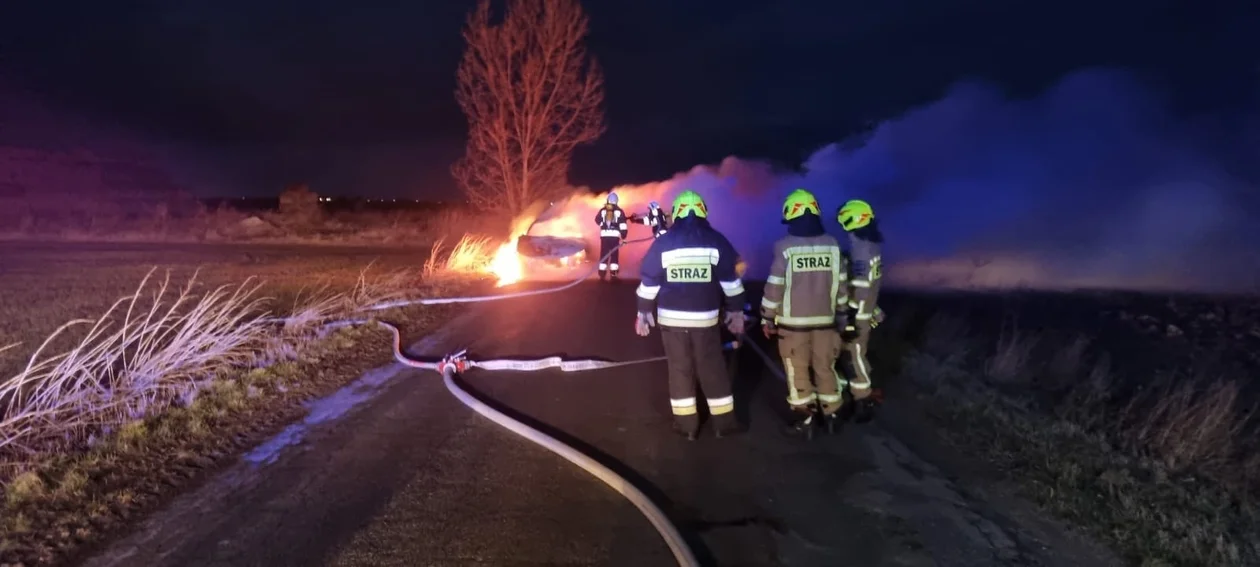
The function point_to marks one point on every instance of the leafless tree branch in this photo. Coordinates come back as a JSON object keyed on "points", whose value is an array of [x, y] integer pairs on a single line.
{"points": [[531, 94]]}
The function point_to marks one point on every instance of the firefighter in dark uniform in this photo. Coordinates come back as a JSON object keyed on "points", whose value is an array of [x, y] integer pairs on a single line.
{"points": [[612, 232], [656, 219], [688, 279]]}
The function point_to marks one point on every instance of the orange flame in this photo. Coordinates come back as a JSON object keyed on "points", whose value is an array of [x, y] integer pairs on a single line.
{"points": [[571, 218], [506, 265]]}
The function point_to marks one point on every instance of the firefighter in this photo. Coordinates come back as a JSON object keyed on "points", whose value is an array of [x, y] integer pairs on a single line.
{"points": [[688, 280], [866, 267], [805, 304], [656, 219], [612, 232]]}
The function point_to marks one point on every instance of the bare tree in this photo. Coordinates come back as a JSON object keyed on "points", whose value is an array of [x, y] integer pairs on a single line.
{"points": [[531, 95]]}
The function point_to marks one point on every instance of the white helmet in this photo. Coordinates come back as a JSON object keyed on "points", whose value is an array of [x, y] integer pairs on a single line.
{"points": [[654, 205], [612, 198]]}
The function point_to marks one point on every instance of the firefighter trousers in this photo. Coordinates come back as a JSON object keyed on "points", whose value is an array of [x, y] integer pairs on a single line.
{"points": [[857, 365], [610, 264], [695, 354], [816, 349]]}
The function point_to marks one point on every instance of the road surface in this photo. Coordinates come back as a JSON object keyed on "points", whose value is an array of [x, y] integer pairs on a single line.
{"points": [[409, 476]]}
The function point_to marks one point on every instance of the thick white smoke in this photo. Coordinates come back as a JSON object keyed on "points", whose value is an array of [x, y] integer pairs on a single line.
{"points": [[1091, 184]]}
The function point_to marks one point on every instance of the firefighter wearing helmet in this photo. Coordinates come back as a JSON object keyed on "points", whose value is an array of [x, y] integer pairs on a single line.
{"points": [[805, 304], [657, 219], [612, 232], [858, 220], [688, 280]]}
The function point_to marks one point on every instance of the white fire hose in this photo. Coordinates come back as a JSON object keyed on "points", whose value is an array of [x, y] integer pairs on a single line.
{"points": [[454, 364]]}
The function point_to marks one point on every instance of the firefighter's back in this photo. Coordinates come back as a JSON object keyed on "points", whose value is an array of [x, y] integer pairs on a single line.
{"points": [[689, 255], [815, 280]]}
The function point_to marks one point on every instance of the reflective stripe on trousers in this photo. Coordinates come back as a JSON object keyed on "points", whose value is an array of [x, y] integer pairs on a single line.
{"points": [[695, 355]]}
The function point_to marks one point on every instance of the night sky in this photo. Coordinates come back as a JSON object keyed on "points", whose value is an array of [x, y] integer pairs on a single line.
{"points": [[357, 97]]}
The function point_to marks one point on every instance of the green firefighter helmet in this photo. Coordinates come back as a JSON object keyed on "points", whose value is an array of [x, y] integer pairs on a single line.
{"points": [[689, 203], [855, 214], [798, 203]]}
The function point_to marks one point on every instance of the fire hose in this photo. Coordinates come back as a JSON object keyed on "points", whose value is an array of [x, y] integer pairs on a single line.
{"points": [[456, 363]]}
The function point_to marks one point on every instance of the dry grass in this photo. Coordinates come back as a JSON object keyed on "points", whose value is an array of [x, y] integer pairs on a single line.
{"points": [[471, 255], [45, 285], [147, 350], [170, 378], [154, 349], [1190, 425], [1166, 472], [65, 501]]}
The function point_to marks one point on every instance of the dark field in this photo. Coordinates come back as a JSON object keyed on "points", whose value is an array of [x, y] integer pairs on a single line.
{"points": [[44, 285], [1130, 415]]}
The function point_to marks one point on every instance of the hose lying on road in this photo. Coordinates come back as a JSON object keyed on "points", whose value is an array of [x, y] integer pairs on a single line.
{"points": [[513, 295], [454, 364]]}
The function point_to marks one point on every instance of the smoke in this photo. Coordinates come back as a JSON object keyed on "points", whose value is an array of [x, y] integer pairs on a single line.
{"points": [[1090, 184]]}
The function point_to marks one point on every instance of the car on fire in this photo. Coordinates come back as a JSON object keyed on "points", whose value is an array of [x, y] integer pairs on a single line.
{"points": [[553, 251]]}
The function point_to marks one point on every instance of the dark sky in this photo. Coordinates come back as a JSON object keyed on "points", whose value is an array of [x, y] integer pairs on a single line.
{"points": [[357, 96]]}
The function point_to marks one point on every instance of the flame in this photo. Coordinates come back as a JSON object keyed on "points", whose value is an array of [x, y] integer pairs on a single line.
{"points": [[571, 218], [506, 265]]}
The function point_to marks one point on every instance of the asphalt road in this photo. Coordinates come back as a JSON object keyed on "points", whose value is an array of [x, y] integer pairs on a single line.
{"points": [[411, 477]]}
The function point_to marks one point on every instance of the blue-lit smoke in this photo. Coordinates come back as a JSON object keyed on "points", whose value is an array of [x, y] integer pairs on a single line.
{"points": [[1089, 184]]}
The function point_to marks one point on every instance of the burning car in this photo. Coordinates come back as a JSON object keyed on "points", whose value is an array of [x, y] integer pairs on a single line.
{"points": [[555, 239], [550, 240], [553, 251]]}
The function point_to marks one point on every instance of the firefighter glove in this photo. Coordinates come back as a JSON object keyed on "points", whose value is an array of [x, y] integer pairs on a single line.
{"points": [[768, 329], [877, 317], [735, 322], [842, 321], [643, 324]]}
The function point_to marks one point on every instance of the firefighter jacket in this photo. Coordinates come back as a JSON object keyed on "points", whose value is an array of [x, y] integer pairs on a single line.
{"points": [[866, 268], [656, 219], [688, 275], [807, 284], [612, 222]]}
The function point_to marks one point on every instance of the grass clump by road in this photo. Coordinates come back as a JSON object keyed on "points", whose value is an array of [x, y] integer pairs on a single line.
{"points": [[1162, 463], [111, 414]]}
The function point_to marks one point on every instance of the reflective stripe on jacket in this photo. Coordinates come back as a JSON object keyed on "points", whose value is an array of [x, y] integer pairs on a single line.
{"points": [[807, 284], [612, 222], [866, 270], [682, 272]]}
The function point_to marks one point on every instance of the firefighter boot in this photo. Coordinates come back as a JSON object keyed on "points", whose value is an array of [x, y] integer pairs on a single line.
{"points": [[725, 425], [865, 410], [685, 432], [802, 426], [832, 423]]}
